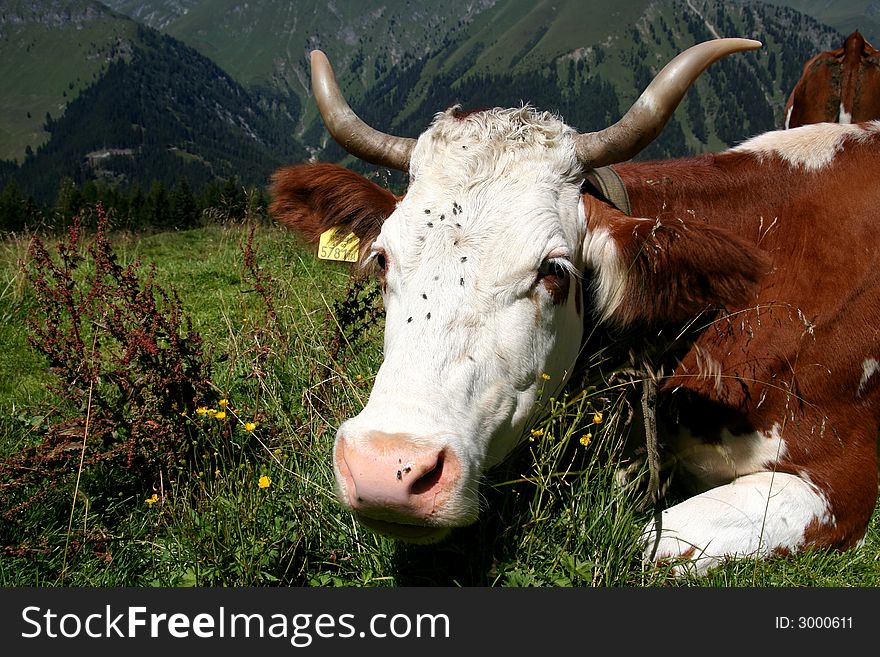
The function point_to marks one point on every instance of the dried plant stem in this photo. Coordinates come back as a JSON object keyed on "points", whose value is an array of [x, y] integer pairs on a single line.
{"points": [[82, 456]]}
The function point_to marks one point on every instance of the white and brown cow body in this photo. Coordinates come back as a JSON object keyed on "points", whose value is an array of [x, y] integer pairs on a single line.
{"points": [[781, 387], [770, 409], [840, 86]]}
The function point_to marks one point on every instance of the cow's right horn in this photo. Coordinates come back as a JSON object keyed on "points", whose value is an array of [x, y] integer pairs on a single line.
{"points": [[347, 129], [644, 120]]}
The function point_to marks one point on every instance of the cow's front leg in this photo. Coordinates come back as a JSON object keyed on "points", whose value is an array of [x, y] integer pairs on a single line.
{"points": [[756, 515]]}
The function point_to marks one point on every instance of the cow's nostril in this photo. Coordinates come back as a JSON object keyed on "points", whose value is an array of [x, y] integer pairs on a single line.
{"points": [[430, 479]]}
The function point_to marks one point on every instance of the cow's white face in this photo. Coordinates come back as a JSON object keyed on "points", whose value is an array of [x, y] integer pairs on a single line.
{"points": [[480, 265]]}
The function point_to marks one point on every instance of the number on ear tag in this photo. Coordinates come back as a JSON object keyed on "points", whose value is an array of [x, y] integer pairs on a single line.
{"points": [[333, 246]]}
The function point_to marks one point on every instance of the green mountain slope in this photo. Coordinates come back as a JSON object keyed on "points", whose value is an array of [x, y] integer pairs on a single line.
{"points": [[161, 112], [843, 15], [49, 52], [591, 80], [266, 43], [400, 61], [140, 107]]}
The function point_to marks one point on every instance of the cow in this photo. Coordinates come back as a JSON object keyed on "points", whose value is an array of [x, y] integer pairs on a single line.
{"points": [[762, 261], [840, 86]]}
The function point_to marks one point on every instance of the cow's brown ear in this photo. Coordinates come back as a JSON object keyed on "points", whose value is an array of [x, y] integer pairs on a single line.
{"points": [[313, 198], [677, 270]]}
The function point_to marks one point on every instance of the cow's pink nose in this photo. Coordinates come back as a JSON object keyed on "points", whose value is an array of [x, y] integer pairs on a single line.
{"points": [[392, 477]]}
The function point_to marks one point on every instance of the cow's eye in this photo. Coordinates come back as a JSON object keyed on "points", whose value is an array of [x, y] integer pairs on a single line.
{"points": [[380, 259], [552, 268]]}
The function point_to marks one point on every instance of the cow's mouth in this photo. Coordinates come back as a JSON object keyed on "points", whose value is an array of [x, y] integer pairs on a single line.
{"points": [[418, 534]]}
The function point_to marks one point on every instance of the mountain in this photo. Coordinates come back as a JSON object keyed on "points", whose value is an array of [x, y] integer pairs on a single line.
{"points": [[155, 109], [589, 62], [49, 52], [843, 15], [159, 89], [266, 42], [400, 61]]}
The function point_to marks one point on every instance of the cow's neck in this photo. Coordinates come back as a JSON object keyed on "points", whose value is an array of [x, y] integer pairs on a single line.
{"points": [[716, 188]]}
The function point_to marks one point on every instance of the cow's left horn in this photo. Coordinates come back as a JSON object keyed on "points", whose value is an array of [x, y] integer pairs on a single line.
{"points": [[644, 120], [348, 129]]}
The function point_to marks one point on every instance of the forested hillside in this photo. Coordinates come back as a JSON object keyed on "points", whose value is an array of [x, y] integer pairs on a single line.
{"points": [[159, 113], [843, 15], [163, 114], [147, 106]]}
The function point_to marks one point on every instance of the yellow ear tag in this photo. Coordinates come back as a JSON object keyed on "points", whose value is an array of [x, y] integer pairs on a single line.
{"points": [[332, 246]]}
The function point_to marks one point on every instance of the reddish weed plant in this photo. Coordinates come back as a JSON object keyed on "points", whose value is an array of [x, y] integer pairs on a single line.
{"points": [[129, 372]]}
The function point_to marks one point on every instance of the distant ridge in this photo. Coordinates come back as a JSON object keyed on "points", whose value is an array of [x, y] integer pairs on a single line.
{"points": [[155, 110], [96, 93]]}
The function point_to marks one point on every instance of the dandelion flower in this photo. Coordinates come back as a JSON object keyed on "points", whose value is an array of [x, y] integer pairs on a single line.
{"points": [[250, 426], [597, 417], [202, 410], [223, 403], [220, 415], [152, 499], [264, 482], [586, 438]]}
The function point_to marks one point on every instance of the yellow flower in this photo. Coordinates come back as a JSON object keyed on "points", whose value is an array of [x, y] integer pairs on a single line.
{"points": [[545, 376], [202, 410], [537, 433], [152, 499], [211, 411], [586, 438], [250, 426], [264, 482], [359, 377], [597, 417], [223, 403], [220, 415]]}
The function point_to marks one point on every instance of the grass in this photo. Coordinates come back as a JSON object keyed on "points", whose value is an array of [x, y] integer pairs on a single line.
{"points": [[555, 516]]}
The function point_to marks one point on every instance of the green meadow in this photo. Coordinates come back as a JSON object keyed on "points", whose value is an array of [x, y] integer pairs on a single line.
{"points": [[291, 345]]}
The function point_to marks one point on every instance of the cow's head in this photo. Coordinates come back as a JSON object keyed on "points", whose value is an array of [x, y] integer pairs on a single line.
{"points": [[481, 264]]}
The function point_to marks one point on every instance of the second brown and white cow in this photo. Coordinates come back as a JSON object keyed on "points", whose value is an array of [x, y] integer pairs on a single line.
{"points": [[840, 86], [770, 409]]}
